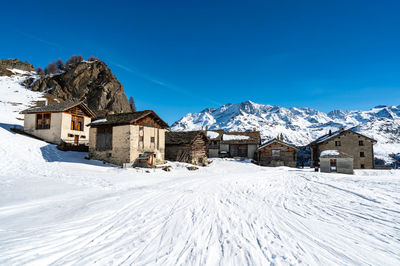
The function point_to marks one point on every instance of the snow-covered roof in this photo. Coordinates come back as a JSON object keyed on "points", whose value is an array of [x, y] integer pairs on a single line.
{"points": [[212, 134], [334, 154], [329, 152], [100, 121], [234, 137]]}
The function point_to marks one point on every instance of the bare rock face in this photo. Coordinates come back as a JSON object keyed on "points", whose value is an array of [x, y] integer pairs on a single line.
{"points": [[92, 82], [6, 64]]}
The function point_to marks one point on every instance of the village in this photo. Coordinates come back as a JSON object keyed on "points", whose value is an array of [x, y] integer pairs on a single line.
{"points": [[143, 139]]}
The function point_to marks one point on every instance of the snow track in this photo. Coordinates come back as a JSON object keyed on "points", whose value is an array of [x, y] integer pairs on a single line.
{"points": [[229, 213], [56, 208]]}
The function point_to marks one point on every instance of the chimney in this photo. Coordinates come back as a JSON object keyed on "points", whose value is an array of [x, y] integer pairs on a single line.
{"points": [[206, 128], [254, 129], [330, 132]]}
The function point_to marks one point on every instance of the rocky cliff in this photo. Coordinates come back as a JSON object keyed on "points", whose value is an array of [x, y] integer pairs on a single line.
{"points": [[6, 64], [89, 81]]}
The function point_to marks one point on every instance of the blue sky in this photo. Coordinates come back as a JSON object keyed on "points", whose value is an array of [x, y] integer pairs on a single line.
{"points": [[182, 56]]}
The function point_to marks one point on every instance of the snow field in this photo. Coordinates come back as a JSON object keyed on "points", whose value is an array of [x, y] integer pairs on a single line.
{"points": [[58, 208]]}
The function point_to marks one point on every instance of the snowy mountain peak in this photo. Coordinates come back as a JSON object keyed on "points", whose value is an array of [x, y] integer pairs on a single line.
{"points": [[299, 125]]}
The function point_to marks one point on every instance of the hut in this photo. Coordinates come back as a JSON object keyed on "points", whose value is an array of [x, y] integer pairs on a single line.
{"points": [[276, 152], [186, 146], [60, 122], [232, 144], [333, 161], [129, 139]]}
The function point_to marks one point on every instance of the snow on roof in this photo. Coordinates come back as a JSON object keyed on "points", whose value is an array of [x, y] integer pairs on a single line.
{"points": [[100, 121], [329, 152], [212, 134], [234, 137]]}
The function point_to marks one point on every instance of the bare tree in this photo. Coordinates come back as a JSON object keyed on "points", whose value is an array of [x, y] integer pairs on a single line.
{"points": [[132, 104], [60, 64], [74, 60], [52, 68], [46, 71]]}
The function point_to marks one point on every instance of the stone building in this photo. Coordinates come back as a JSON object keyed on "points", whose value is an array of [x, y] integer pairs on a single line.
{"points": [[59, 122], [333, 161], [232, 144], [276, 152], [129, 139], [186, 146], [356, 145]]}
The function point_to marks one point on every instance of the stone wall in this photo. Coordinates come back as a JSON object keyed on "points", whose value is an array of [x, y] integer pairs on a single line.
{"points": [[52, 135], [350, 145]]}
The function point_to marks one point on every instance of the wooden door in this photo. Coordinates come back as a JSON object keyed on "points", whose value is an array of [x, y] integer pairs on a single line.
{"points": [[76, 139], [333, 165]]}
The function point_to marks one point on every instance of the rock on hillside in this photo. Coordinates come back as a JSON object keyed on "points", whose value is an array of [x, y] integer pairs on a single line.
{"points": [[6, 64], [90, 81]]}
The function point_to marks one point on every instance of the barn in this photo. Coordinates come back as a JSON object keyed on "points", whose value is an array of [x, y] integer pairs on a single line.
{"points": [[276, 152], [186, 146], [233, 144]]}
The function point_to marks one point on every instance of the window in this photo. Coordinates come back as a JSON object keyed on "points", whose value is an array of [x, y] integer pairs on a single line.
{"points": [[362, 166], [104, 138], [43, 121], [76, 123], [153, 139], [360, 143], [362, 154], [337, 143], [276, 153], [141, 138]]}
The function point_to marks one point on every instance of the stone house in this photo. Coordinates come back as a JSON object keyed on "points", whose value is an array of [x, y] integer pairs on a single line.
{"points": [[59, 122], [186, 146], [354, 144], [276, 152], [232, 144], [129, 139], [333, 161]]}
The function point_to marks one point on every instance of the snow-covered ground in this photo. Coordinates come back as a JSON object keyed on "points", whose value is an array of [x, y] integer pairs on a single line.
{"points": [[58, 208]]}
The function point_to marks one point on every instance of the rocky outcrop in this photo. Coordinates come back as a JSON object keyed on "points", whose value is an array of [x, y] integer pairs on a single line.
{"points": [[16, 64], [6, 64], [92, 82]]}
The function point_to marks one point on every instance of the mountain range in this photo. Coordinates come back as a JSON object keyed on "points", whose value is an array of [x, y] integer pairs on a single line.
{"points": [[300, 125]]}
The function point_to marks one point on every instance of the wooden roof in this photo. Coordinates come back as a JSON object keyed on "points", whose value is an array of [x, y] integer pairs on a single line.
{"points": [[277, 141], [337, 133], [128, 118], [58, 107], [183, 137]]}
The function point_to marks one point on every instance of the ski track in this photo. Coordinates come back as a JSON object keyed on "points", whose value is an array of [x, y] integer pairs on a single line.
{"points": [[56, 208], [275, 216]]}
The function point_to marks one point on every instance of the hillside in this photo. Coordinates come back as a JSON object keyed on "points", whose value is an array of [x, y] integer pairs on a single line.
{"points": [[89, 81], [300, 126]]}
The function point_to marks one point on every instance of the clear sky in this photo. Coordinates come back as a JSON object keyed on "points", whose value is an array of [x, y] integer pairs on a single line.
{"points": [[182, 56]]}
